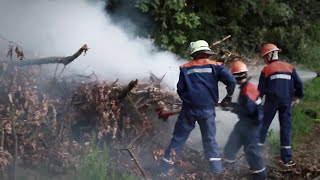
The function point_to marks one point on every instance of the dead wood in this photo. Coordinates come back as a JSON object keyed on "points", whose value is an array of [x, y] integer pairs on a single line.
{"points": [[155, 79], [220, 41], [44, 143], [2, 140], [15, 137], [135, 160], [127, 89], [52, 60], [128, 148], [132, 108]]}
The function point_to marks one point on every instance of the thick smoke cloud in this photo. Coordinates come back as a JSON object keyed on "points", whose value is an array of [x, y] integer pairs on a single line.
{"points": [[60, 27]]}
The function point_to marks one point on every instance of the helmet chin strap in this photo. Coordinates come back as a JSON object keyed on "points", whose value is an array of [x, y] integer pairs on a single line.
{"points": [[268, 61]]}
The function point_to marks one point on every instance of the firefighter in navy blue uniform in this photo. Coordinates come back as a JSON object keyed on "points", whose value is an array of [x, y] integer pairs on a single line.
{"points": [[281, 85], [198, 90], [245, 132]]}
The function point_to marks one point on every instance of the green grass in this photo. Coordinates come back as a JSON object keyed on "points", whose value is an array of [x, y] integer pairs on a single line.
{"points": [[96, 165], [311, 90], [273, 142], [301, 126]]}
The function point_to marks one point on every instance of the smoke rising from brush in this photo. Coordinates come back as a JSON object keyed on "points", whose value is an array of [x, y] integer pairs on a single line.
{"points": [[58, 28]]}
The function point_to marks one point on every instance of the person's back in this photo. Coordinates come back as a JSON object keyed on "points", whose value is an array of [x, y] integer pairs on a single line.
{"points": [[198, 82], [279, 81], [198, 90], [280, 84]]}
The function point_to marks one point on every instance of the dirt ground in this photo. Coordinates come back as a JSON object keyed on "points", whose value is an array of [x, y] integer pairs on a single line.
{"points": [[192, 164], [306, 157]]}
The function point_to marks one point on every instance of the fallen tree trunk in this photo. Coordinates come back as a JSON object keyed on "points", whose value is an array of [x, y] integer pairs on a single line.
{"points": [[52, 60]]}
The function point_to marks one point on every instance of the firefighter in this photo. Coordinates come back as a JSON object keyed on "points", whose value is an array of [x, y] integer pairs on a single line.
{"points": [[281, 85], [198, 90], [245, 132]]}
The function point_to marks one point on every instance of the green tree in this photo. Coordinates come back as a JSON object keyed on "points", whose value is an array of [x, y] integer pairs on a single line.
{"points": [[292, 25]]}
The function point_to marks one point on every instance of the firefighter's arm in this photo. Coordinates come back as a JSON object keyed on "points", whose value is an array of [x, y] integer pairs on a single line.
{"points": [[227, 78], [298, 85], [261, 85], [249, 105], [181, 83]]}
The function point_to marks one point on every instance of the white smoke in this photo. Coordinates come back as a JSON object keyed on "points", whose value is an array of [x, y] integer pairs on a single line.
{"points": [[61, 27]]}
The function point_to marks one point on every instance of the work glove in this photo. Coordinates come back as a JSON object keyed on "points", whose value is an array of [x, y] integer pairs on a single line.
{"points": [[226, 100], [295, 102]]}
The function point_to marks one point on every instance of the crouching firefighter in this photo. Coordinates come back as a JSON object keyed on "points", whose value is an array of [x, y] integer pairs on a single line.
{"points": [[245, 132], [198, 90]]}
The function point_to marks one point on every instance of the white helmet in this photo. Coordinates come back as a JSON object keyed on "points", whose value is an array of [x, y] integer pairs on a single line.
{"points": [[200, 45]]}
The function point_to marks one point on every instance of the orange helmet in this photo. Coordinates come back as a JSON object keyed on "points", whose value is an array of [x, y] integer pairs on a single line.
{"points": [[238, 67], [268, 48]]}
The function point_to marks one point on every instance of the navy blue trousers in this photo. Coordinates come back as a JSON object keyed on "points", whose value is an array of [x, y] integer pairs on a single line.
{"points": [[183, 127], [245, 134], [285, 119]]}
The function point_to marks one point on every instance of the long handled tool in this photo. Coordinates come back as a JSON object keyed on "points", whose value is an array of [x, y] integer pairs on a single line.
{"points": [[165, 115]]}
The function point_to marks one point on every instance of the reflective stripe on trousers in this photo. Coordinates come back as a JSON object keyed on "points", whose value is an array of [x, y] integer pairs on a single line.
{"points": [[259, 174], [183, 127], [244, 134], [285, 119]]}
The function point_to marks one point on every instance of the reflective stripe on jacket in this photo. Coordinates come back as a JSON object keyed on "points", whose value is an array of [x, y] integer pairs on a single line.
{"points": [[198, 82], [280, 82]]}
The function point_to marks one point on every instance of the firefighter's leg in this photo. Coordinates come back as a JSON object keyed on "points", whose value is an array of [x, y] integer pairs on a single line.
{"points": [[233, 145], [206, 120], [251, 149], [270, 110], [285, 118], [184, 125]]}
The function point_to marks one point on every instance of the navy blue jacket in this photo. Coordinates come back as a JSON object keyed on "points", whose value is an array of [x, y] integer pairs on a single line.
{"points": [[280, 82], [250, 108], [198, 82]]}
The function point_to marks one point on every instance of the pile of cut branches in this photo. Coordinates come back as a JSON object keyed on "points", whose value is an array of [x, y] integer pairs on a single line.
{"points": [[51, 130]]}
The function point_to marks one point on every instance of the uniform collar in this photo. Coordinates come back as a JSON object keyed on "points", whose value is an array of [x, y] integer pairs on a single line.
{"points": [[245, 83], [275, 60]]}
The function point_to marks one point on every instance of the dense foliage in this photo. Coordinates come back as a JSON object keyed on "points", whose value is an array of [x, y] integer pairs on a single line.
{"points": [[292, 25]]}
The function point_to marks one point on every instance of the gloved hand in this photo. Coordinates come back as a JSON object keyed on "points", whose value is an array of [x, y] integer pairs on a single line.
{"points": [[295, 102], [226, 100]]}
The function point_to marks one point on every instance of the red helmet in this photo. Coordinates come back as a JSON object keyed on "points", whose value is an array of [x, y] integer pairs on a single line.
{"points": [[238, 67], [268, 48]]}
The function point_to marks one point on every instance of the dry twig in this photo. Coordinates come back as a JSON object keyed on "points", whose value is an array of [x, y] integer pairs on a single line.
{"points": [[220, 41]]}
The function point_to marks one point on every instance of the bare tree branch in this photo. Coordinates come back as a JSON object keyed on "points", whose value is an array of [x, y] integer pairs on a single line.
{"points": [[220, 41], [52, 60]]}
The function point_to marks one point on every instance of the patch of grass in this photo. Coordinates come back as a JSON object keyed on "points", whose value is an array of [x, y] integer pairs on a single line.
{"points": [[273, 142], [311, 91], [96, 165], [302, 125]]}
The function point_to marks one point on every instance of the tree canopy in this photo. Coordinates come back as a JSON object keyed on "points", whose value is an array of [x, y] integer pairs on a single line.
{"points": [[293, 25]]}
